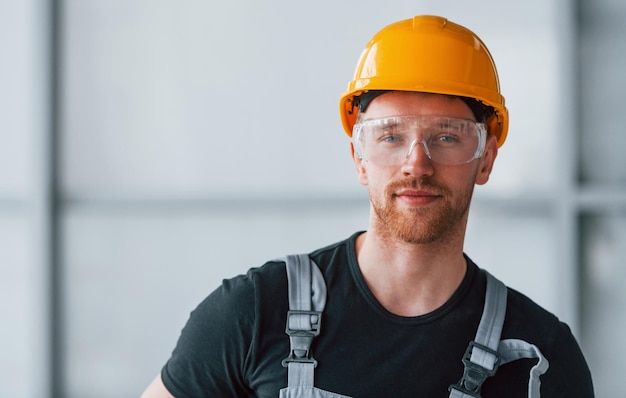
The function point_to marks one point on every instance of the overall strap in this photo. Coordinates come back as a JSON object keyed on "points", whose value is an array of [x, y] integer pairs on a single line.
{"points": [[487, 351], [307, 298], [481, 358], [513, 349]]}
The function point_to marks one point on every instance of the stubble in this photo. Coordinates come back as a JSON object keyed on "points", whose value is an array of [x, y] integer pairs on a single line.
{"points": [[420, 225]]}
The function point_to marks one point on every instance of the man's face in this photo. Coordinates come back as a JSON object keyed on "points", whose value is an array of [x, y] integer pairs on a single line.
{"points": [[420, 201]]}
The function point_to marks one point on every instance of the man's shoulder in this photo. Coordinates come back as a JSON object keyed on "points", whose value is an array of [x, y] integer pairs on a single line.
{"points": [[520, 305], [528, 320], [337, 253], [271, 276]]}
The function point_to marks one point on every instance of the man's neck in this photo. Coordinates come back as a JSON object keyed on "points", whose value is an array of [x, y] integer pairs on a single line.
{"points": [[410, 279]]}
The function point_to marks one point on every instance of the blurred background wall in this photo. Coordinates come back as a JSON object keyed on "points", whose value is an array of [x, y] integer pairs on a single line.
{"points": [[150, 148]]}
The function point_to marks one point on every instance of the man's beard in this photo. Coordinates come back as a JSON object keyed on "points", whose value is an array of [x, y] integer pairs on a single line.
{"points": [[420, 225]]}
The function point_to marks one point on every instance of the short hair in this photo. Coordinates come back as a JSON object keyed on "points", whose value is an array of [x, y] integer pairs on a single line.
{"points": [[481, 112]]}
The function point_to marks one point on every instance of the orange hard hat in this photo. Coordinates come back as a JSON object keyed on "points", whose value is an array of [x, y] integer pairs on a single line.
{"points": [[428, 54]]}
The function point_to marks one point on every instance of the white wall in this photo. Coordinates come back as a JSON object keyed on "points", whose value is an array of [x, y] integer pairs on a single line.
{"points": [[24, 276]]}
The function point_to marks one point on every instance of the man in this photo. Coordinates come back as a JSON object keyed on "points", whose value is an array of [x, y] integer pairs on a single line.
{"points": [[426, 119]]}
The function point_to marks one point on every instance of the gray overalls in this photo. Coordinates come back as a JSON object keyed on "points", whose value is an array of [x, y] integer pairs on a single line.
{"points": [[307, 299]]}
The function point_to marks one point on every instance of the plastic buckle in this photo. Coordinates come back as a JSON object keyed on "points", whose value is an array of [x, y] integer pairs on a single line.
{"points": [[475, 375], [301, 339]]}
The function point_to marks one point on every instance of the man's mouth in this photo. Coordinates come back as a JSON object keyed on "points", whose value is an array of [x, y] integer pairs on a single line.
{"points": [[416, 197]]}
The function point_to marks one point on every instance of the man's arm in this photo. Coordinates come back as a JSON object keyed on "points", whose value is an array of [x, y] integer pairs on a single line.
{"points": [[211, 350], [156, 389]]}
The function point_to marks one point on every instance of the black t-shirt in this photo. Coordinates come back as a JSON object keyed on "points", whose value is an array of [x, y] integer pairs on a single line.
{"points": [[234, 341]]}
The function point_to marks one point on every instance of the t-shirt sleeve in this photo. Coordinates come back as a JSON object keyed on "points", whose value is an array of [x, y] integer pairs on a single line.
{"points": [[568, 374], [209, 357]]}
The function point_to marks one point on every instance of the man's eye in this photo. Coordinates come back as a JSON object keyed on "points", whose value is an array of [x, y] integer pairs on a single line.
{"points": [[390, 138], [446, 139]]}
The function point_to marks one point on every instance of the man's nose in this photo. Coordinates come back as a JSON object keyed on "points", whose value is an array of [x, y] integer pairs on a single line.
{"points": [[417, 160]]}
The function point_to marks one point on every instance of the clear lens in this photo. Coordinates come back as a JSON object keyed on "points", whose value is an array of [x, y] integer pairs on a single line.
{"points": [[447, 141]]}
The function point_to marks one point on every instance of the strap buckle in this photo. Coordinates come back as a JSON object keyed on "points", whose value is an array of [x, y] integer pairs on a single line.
{"points": [[474, 375], [302, 327]]}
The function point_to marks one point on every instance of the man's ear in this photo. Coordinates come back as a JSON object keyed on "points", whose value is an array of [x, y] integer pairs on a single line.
{"points": [[359, 164], [487, 160]]}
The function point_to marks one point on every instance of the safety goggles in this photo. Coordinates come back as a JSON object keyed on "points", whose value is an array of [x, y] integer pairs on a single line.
{"points": [[447, 141]]}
